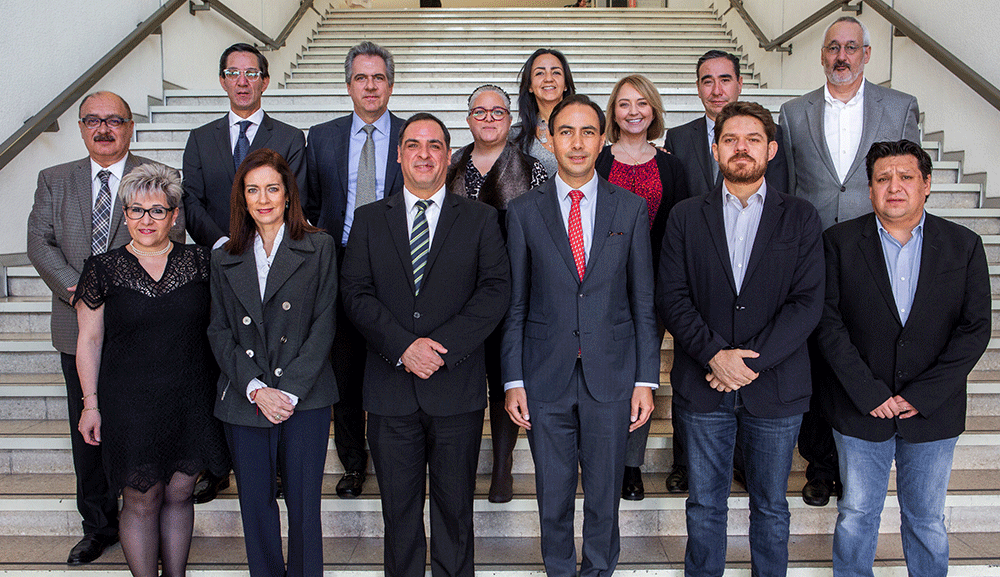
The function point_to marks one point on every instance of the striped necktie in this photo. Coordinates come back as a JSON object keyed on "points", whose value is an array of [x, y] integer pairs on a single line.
{"points": [[420, 243], [102, 216]]}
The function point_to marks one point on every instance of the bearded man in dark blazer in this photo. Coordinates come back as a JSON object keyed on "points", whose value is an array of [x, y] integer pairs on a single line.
{"points": [[425, 278], [907, 317]]}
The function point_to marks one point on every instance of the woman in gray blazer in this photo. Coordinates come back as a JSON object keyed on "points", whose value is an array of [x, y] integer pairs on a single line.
{"points": [[274, 288]]}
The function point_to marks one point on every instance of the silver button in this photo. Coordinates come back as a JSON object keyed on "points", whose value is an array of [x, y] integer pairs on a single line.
{"points": [[286, 305], [278, 372], [416, 315], [246, 320], [284, 339], [250, 353]]}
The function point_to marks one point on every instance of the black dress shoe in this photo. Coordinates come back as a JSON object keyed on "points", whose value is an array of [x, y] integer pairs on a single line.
{"points": [[90, 548], [741, 479], [208, 487], [817, 492], [677, 480], [350, 484], [632, 489]]}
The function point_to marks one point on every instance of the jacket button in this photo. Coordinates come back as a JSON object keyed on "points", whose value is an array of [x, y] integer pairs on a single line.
{"points": [[278, 372], [283, 339], [247, 321], [843, 189], [900, 374], [581, 295], [286, 305], [416, 315], [901, 342], [576, 333], [250, 353]]}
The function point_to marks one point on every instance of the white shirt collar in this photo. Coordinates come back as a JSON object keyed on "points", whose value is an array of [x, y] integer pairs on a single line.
{"points": [[728, 197], [858, 97], [117, 169], [381, 125], [411, 199], [256, 118], [589, 189]]}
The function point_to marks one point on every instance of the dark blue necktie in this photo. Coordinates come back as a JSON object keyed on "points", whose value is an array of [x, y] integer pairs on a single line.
{"points": [[242, 144]]}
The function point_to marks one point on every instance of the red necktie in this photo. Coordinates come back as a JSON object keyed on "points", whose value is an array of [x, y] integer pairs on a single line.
{"points": [[576, 233]]}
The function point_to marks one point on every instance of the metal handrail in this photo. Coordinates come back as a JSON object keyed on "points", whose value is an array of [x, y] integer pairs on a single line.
{"points": [[48, 116], [961, 70], [229, 14]]}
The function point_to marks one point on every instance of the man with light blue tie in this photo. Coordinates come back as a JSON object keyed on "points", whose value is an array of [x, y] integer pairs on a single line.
{"points": [[352, 161]]}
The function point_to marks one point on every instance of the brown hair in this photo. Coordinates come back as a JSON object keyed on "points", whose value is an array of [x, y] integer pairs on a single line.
{"points": [[241, 225], [647, 90], [752, 109]]}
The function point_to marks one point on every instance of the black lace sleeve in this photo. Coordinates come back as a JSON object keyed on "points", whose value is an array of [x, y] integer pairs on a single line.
{"points": [[203, 255], [92, 286]]}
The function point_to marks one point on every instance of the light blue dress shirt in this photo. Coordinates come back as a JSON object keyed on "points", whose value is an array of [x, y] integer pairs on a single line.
{"points": [[902, 261], [741, 228], [381, 138]]}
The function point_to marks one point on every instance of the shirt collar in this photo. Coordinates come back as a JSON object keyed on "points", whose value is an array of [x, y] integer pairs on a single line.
{"points": [[917, 230], [117, 169], [258, 243], [858, 97], [256, 118], [709, 124], [728, 197], [589, 189], [381, 125], [411, 199]]}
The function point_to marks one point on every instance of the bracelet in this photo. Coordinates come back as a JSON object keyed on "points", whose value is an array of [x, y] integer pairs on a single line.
{"points": [[84, 398], [253, 395], [91, 409]]}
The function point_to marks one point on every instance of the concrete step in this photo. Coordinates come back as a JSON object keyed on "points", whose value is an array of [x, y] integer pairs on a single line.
{"points": [[985, 221], [578, 50], [471, 56], [594, 87], [23, 281], [25, 314]]}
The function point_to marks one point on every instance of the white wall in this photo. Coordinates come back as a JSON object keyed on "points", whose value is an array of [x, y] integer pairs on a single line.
{"points": [[49, 49], [965, 29]]}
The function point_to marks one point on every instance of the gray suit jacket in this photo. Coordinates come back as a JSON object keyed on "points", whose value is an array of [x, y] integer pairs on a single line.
{"points": [[59, 234], [889, 115], [607, 318]]}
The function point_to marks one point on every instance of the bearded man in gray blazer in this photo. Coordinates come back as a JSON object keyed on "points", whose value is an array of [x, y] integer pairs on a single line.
{"points": [[827, 135], [63, 231]]}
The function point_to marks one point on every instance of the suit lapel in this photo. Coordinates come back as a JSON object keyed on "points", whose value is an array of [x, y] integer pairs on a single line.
{"points": [[449, 212], [872, 118], [241, 272], [769, 216], [225, 147], [548, 208], [286, 261], [814, 118], [117, 206], [341, 154], [395, 216], [699, 141], [930, 259], [871, 247], [392, 158], [716, 226], [605, 206], [83, 183], [263, 135]]}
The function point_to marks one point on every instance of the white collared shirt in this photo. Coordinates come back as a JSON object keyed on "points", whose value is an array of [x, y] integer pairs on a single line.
{"points": [[842, 125], [117, 171], [587, 210], [234, 128], [741, 228], [264, 262], [433, 212]]}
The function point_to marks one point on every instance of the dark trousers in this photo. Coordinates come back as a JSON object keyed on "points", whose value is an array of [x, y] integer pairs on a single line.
{"points": [[348, 355], [404, 449], [94, 500], [816, 444], [296, 447], [578, 429]]}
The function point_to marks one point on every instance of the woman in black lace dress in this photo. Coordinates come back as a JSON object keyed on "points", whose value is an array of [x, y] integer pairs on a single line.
{"points": [[147, 372]]}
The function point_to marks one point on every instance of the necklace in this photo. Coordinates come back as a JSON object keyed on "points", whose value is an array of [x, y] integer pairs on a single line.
{"points": [[140, 252], [635, 160]]}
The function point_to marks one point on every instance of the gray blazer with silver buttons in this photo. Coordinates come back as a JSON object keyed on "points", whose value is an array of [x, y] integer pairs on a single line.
{"points": [[285, 340]]}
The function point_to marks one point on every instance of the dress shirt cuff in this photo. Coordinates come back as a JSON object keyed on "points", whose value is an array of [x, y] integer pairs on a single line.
{"points": [[653, 386], [222, 240], [294, 400], [252, 386], [513, 385]]}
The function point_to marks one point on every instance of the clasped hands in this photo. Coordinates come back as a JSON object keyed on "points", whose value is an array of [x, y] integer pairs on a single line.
{"points": [[729, 372], [423, 357], [894, 407]]}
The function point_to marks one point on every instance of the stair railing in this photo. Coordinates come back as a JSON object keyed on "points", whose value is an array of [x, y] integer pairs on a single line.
{"points": [[960, 69], [46, 119]]}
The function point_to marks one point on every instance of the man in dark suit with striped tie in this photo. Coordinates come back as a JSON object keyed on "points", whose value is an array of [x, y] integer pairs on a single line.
{"points": [[425, 279]]}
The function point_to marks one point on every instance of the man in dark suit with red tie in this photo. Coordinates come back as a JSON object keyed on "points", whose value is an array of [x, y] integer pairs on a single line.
{"points": [[580, 357]]}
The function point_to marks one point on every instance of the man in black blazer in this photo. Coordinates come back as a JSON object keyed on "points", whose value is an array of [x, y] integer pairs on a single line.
{"points": [[341, 154], [907, 317], [212, 150], [718, 79], [580, 357], [425, 312], [740, 288]]}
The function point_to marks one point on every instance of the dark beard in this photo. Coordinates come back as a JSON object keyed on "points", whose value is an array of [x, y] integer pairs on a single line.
{"points": [[747, 176]]}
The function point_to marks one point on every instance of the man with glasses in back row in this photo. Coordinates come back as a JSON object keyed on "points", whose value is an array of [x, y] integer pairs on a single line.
{"points": [[827, 134], [214, 152], [76, 214]]}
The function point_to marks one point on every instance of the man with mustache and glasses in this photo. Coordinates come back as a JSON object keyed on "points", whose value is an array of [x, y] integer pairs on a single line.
{"points": [[827, 133], [77, 213], [740, 288]]}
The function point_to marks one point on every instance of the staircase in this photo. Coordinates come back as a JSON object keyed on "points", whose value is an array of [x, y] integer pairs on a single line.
{"points": [[441, 56]]}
